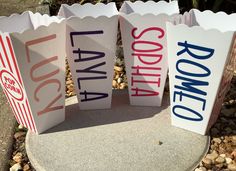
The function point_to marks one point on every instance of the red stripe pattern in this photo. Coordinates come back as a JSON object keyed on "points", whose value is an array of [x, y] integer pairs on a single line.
{"points": [[12, 84]]}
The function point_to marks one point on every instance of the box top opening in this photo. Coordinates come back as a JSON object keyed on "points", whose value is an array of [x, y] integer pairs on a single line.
{"points": [[207, 20], [150, 7], [88, 9], [210, 20], [20, 22]]}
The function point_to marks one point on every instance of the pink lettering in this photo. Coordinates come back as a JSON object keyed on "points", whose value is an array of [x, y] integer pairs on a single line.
{"points": [[144, 92], [148, 52], [45, 79]]}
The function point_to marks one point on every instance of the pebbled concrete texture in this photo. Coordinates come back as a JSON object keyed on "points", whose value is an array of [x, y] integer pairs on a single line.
{"points": [[7, 124], [122, 138]]}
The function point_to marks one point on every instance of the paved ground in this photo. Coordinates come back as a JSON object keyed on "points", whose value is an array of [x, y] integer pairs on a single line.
{"points": [[124, 138], [7, 123]]}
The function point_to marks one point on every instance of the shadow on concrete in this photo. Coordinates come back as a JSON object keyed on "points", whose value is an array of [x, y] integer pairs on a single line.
{"points": [[121, 111]]}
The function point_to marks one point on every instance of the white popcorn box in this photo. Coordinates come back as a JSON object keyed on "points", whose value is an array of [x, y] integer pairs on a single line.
{"points": [[91, 46], [32, 68], [201, 55], [143, 32]]}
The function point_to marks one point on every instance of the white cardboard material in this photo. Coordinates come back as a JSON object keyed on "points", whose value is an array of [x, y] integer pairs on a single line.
{"points": [[91, 46], [201, 55], [32, 68], [143, 32]]}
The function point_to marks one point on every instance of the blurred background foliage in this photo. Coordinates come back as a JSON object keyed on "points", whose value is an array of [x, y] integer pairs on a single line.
{"points": [[228, 6]]}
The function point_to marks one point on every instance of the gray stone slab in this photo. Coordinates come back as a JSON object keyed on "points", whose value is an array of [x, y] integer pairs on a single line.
{"points": [[7, 124], [122, 138]]}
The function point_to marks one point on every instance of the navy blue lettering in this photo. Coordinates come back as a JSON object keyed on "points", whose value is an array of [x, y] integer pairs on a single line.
{"points": [[189, 74], [181, 94], [190, 85], [198, 118], [192, 74], [187, 48]]}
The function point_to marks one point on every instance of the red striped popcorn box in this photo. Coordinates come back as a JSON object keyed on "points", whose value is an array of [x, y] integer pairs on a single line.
{"points": [[32, 68], [202, 58], [91, 45], [143, 32]]}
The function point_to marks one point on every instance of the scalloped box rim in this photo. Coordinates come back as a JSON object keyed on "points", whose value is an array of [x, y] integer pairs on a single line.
{"points": [[40, 27], [90, 5], [147, 3], [195, 27]]}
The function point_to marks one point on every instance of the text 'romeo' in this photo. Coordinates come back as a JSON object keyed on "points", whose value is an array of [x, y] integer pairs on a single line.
{"points": [[191, 81]]}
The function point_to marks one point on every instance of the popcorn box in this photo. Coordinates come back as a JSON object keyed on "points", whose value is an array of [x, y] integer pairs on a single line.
{"points": [[91, 35], [143, 32], [32, 67], [201, 54]]}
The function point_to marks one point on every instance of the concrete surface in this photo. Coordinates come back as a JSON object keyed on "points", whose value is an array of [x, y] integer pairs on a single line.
{"points": [[123, 138], [7, 124]]}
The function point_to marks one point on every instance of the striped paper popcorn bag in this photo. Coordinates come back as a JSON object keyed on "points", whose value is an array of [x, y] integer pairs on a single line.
{"points": [[32, 68], [91, 35], [143, 32], [201, 55]]}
